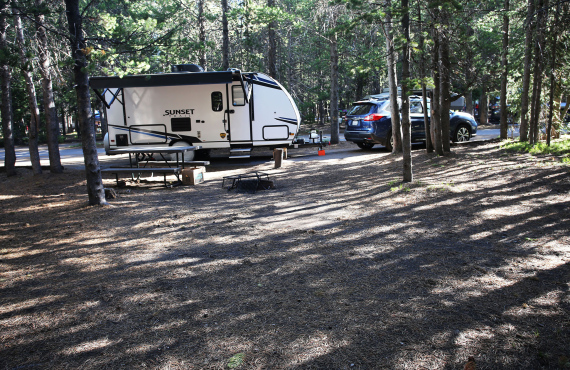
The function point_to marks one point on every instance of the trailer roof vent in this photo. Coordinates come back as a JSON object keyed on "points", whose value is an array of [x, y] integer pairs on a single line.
{"points": [[186, 68]]}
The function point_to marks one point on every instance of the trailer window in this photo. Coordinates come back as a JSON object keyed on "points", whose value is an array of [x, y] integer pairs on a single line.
{"points": [[237, 95], [217, 101]]}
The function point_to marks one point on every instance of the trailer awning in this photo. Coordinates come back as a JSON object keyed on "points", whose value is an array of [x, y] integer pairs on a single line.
{"points": [[162, 79]]}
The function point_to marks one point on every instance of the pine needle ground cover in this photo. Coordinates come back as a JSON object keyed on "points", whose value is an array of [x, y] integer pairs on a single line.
{"points": [[340, 267]]}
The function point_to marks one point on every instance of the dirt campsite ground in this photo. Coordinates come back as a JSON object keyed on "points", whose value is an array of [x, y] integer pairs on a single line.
{"points": [[339, 267]]}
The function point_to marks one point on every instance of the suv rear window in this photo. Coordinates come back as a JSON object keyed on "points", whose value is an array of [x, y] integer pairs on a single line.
{"points": [[360, 109]]}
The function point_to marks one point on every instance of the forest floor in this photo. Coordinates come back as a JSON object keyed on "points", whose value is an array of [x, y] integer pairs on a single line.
{"points": [[341, 266]]}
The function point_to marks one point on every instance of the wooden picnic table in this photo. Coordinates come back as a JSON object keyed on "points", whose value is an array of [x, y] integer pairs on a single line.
{"points": [[148, 152]]}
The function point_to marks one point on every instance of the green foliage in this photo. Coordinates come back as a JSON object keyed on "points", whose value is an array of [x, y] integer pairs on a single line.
{"points": [[148, 36], [9, 56], [263, 15], [236, 360], [401, 187], [557, 147], [130, 36]]}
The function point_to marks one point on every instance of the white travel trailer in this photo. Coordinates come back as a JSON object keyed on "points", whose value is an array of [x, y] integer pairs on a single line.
{"points": [[215, 110]]}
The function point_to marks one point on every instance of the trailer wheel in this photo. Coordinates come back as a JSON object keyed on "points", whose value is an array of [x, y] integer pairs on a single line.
{"points": [[107, 144]]}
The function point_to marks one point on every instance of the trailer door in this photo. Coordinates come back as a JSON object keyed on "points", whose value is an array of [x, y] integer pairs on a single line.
{"points": [[240, 122]]}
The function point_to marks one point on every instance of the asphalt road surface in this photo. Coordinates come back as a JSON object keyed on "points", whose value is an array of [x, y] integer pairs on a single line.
{"points": [[72, 154]]}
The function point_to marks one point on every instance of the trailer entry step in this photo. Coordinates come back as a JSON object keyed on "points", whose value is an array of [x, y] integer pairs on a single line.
{"points": [[236, 153]]}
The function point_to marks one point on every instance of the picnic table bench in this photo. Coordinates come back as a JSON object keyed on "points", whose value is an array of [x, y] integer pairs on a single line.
{"points": [[140, 170], [198, 163]]}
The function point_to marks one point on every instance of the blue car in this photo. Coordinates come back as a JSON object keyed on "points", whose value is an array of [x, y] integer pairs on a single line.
{"points": [[369, 123]]}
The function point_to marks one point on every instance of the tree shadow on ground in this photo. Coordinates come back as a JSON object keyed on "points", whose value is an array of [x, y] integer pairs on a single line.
{"points": [[338, 268]]}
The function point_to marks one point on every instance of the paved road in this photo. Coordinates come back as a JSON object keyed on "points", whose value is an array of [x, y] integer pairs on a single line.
{"points": [[72, 154], [482, 134]]}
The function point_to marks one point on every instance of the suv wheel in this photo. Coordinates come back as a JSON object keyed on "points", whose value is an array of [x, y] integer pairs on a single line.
{"points": [[389, 142], [462, 134]]}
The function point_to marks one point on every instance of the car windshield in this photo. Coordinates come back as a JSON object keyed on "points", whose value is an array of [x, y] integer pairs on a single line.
{"points": [[416, 106], [360, 109]]}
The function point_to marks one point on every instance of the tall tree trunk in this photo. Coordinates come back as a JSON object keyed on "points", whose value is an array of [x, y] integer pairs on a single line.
{"points": [[535, 108], [554, 37], [247, 4], [104, 122], [360, 81], [483, 104], [335, 129], [469, 75], [445, 93], [52, 128], [406, 124], [427, 120], [7, 116], [202, 34], [77, 123], [271, 45], [225, 37], [523, 129], [290, 84], [435, 100], [391, 61], [376, 85], [469, 102], [564, 112], [427, 128], [31, 90], [63, 122], [95, 189], [504, 126]]}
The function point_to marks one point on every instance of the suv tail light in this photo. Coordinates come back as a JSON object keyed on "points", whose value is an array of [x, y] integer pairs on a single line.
{"points": [[373, 117]]}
